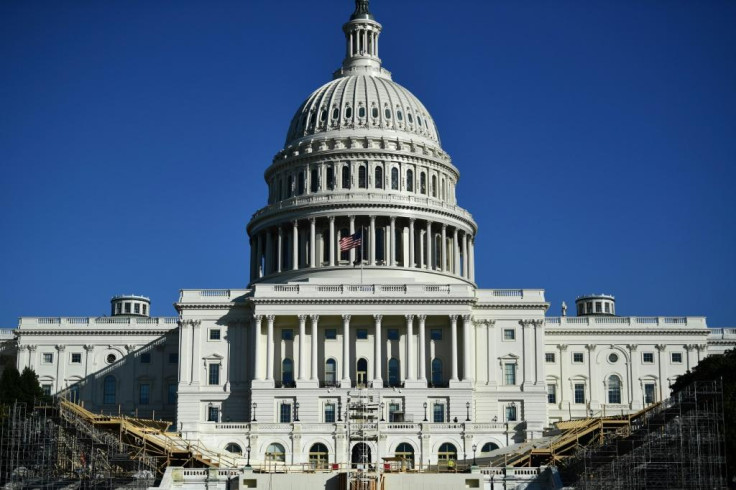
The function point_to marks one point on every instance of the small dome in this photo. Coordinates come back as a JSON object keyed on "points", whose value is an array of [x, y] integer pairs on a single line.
{"points": [[363, 104]]}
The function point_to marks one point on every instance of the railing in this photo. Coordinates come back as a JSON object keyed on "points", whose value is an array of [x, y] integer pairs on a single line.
{"points": [[314, 290], [697, 322], [508, 293], [6, 333], [722, 333], [107, 321]]}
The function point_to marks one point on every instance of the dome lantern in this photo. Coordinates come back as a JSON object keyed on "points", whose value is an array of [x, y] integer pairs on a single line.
{"points": [[361, 37]]}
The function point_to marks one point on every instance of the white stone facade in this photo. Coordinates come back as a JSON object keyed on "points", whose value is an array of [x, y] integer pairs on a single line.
{"points": [[395, 331]]}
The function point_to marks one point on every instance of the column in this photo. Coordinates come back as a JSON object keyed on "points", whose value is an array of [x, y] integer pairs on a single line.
{"points": [[411, 242], [422, 348], [637, 398], [269, 348], [253, 252], [562, 348], [468, 350], [345, 383], [377, 360], [260, 255], [302, 335], [269, 253], [410, 364], [472, 259], [526, 332], [453, 331], [660, 348], [491, 349], [295, 246], [60, 363], [593, 382], [466, 256], [372, 250], [196, 350], [257, 354], [539, 352], [312, 243], [352, 231], [456, 249], [280, 250], [332, 241], [315, 340], [422, 248], [430, 257], [443, 249], [392, 243], [185, 360]]}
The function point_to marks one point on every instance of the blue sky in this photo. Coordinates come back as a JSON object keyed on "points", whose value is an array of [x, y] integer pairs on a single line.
{"points": [[596, 141]]}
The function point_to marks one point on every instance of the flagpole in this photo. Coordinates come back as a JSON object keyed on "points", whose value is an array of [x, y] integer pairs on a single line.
{"points": [[362, 241]]}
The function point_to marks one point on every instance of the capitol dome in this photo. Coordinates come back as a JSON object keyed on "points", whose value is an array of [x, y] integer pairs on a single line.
{"points": [[362, 180]]}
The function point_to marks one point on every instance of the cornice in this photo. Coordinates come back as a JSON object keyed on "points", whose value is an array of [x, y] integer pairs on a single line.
{"points": [[105, 332], [621, 331], [512, 306], [354, 301]]}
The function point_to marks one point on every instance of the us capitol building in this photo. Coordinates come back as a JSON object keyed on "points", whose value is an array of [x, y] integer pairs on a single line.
{"points": [[377, 345]]}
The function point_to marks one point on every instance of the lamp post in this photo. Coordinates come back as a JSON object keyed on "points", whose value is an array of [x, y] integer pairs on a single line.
{"points": [[475, 446], [467, 411], [253, 411], [383, 419], [425, 411], [296, 412]]}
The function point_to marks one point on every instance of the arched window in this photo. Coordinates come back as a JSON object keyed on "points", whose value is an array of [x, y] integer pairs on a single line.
{"points": [[348, 112], [437, 251], [614, 389], [395, 179], [275, 453], [378, 177], [74, 393], [405, 452], [330, 372], [380, 244], [399, 115], [330, 177], [394, 374], [346, 176], [233, 448], [361, 112], [423, 183], [362, 371], [314, 181], [447, 452], [318, 456], [488, 447], [287, 372], [109, 387], [387, 113], [410, 180], [374, 111], [443, 192], [280, 190], [362, 177], [437, 378], [290, 186], [434, 186], [301, 185]]}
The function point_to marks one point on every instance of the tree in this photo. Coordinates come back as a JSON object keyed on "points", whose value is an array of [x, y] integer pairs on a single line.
{"points": [[719, 367], [23, 388], [9, 385]]}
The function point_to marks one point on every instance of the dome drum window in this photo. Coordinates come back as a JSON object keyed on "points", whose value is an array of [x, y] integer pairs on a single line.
{"points": [[348, 112], [361, 112]]}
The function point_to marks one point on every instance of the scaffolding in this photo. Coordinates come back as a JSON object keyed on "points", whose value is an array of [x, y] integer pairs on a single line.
{"points": [[678, 444]]}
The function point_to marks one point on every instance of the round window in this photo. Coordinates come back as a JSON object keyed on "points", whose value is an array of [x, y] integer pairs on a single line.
{"points": [[111, 358], [612, 357]]}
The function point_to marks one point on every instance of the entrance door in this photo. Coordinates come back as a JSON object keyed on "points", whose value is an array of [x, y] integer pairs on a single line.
{"points": [[362, 371], [361, 455]]}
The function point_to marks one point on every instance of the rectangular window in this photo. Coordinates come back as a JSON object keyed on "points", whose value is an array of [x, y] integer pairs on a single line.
{"points": [[146, 358], [214, 374], [145, 309], [438, 412], [392, 334], [435, 334], [137, 308], [330, 333], [127, 307], [577, 357], [394, 414], [647, 357], [46, 389], [607, 307], [144, 391], [551, 393], [213, 414], [171, 394], [287, 334], [511, 413], [676, 357], [509, 374], [173, 358], [579, 393], [48, 357], [361, 334], [330, 177], [598, 307], [649, 393], [549, 357], [285, 413], [330, 413], [509, 334], [76, 358], [215, 334]]}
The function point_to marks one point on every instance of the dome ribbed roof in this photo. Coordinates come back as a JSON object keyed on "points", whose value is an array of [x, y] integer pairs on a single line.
{"points": [[362, 104]]}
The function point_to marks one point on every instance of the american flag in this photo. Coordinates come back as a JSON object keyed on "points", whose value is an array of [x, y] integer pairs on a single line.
{"points": [[349, 242]]}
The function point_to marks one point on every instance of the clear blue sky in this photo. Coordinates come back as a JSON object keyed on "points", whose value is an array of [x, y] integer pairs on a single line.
{"points": [[596, 141]]}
